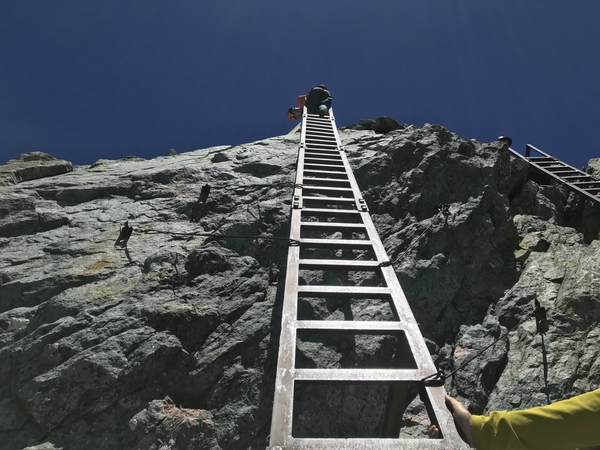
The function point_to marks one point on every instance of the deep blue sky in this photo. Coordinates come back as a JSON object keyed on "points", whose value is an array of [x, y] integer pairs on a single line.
{"points": [[84, 80]]}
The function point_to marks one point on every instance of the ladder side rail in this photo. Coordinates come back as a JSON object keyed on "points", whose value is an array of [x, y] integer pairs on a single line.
{"points": [[530, 147], [517, 154], [282, 418], [375, 444], [283, 405]]}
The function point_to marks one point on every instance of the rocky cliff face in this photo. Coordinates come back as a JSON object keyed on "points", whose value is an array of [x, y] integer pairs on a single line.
{"points": [[165, 335]]}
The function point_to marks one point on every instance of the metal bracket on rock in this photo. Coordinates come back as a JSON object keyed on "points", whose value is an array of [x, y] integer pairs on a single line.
{"points": [[541, 319], [363, 205], [124, 235], [204, 193], [435, 380]]}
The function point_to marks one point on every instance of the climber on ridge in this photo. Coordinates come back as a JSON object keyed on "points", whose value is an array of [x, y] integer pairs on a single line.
{"points": [[567, 424], [317, 101]]}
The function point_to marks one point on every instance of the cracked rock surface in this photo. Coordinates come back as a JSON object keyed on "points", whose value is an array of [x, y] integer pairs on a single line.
{"points": [[137, 312]]}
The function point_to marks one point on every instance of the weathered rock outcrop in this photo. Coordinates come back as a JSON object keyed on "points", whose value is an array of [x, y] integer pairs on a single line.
{"points": [[29, 166], [169, 338]]}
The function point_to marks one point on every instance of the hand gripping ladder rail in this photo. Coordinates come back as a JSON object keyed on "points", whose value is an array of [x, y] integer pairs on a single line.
{"points": [[326, 190]]}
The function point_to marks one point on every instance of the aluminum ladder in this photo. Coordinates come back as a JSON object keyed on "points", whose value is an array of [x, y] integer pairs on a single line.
{"points": [[575, 179], [326, 198]]}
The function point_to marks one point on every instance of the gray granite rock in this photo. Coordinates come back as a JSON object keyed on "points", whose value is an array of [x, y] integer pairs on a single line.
{"points": [[167, 337]]}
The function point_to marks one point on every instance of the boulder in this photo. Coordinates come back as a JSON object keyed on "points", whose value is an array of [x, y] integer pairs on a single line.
{"points": [[384, 125]]}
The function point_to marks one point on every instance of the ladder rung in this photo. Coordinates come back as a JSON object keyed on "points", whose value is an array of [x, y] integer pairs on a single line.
{"points": [[323, 151], [320, 140], [319, 128], [317, 118], [332, 167], [352, 325], [375, 443], [331, 141], [318, 173], [535, 159], [575, 176], [331, 189], [326, 212], [319, 151], [336, 243], [562, 172], [551, 163], [327, 160], [319, 125], [362, 375], [328, 145], [324, 182], [336, 200], [330, 200], [322, 157], [321, 145], [344, 291], [325, 226], [338, 264], [558, 167], [318, 133], [579, 183], [330, 212], [572, 179], [584, 188], [324, 163]]}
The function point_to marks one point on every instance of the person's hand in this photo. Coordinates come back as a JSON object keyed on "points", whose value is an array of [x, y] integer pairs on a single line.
{"points": [[462, 419], [433, 432]]}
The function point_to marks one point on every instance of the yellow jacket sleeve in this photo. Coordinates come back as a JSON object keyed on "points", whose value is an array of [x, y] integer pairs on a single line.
{"points": [[565, 425]]}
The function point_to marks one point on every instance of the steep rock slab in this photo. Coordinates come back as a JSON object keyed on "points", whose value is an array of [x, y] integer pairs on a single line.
{"points": [[561, 275], [21, 214], [76, 305], [129, 360]]}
